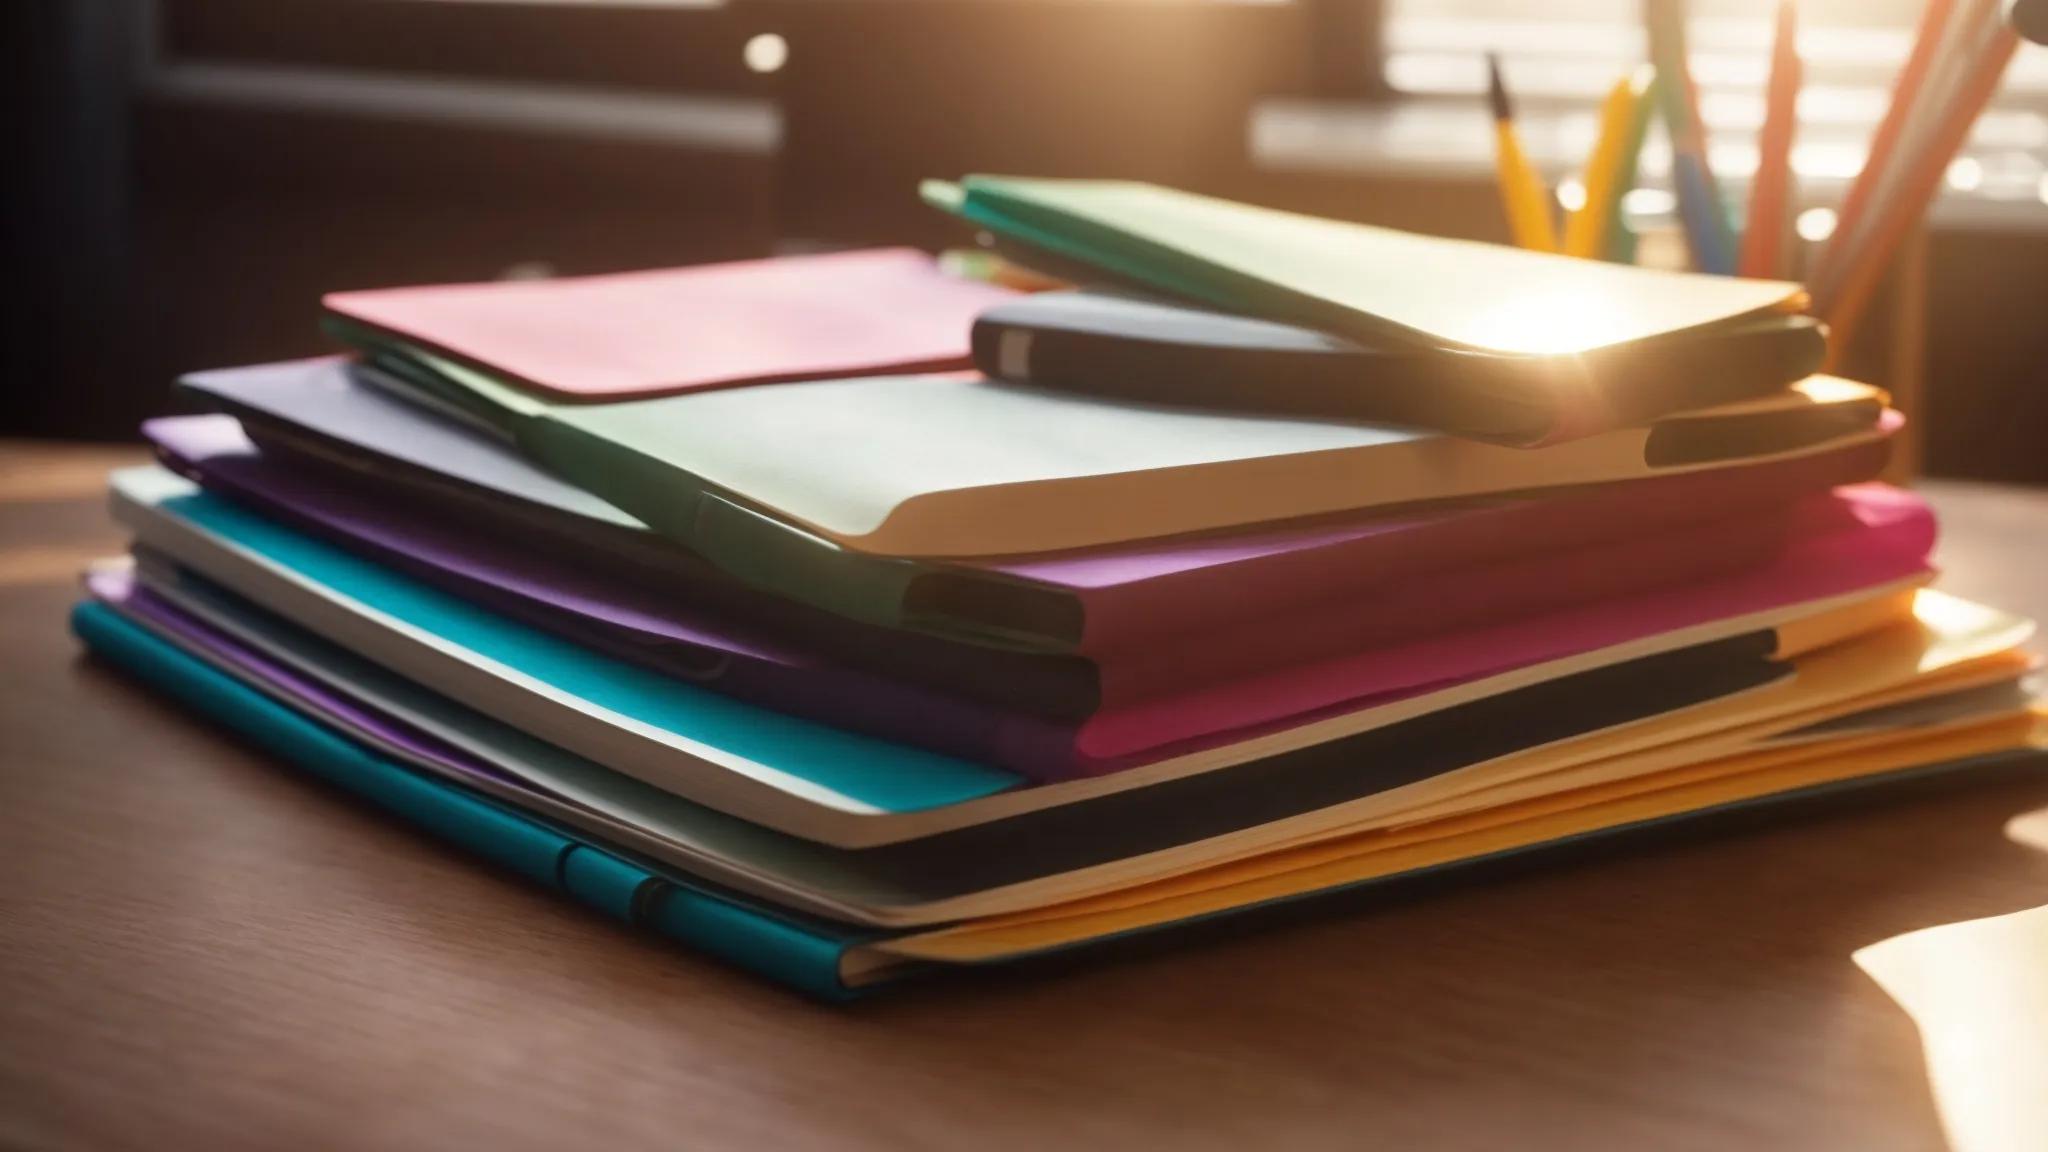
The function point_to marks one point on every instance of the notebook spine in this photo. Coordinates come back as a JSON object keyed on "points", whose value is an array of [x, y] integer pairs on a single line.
{"points": [[790, 953]]}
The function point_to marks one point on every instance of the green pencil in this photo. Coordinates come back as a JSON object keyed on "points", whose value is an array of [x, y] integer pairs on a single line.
{"points": [[1699, 194], [1618, 245]]}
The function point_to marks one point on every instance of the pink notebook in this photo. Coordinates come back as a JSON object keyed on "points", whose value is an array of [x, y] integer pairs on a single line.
{"points": [[639, 334], [1865, 536]]}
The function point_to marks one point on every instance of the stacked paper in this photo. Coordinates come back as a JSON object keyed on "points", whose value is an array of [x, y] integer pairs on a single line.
{"points": [[735, 601]]}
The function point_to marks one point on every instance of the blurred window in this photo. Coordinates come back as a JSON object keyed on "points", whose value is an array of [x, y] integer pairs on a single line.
{"points": [[1562, 56]]}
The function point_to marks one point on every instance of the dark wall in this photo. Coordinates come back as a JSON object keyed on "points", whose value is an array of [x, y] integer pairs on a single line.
{"points": [[68, 209], [1987, 357]]}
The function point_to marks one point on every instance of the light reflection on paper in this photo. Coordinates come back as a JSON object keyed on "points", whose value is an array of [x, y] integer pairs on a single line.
{"points": [[1835, 390], [1551, 323], [1978, 991], [1953, 615]]}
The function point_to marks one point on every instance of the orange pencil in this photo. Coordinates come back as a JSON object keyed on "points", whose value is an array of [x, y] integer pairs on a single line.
{"points": [[1903, 212], [1770, 189], [1951, 70], [1905, 96]]}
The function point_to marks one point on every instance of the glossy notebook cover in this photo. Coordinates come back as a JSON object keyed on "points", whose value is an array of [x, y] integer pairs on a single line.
{"points": [[818, 958], [1140, 348], [632, 334]]}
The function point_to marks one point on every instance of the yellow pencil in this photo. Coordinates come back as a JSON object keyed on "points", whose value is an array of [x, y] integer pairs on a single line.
{"points": [[1521, 191], [1585, 231]]}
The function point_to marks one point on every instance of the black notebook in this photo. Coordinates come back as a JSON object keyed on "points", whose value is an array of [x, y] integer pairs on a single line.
{"points": [[1133, 347]]}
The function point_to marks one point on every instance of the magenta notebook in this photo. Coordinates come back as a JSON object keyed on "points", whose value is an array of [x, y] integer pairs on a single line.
{"points": [[639, 334], [1862, 537]]}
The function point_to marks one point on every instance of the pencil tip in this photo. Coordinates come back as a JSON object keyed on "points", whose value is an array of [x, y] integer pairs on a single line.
{"points": [[1497, 89]]}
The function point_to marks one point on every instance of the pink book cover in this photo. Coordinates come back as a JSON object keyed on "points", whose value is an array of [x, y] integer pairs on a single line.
{"points": [[1862, 537], [633, 335]]}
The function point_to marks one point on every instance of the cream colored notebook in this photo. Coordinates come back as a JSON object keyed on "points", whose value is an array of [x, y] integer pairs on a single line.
{"points": [[956, 465], [945, 466]]}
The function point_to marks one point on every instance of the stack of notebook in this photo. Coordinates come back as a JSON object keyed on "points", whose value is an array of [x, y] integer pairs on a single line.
{"points": [[846, 619]]}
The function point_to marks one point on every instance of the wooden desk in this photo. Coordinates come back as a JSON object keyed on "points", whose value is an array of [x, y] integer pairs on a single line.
{"points": [[200, 948]]}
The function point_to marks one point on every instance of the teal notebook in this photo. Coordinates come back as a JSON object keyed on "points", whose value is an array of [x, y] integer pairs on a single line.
{"points": [[801, 776], [804, 953]]}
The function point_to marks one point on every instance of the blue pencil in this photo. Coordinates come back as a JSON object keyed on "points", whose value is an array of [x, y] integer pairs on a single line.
{"points": [[1705, 229], [1699, 195]]}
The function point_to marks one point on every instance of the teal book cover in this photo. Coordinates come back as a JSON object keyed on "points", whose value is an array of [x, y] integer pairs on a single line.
{"points": [[801, 952]]}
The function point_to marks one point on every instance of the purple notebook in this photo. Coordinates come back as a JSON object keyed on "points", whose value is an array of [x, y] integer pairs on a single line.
{"points": [[791, 669], [121, 590]]}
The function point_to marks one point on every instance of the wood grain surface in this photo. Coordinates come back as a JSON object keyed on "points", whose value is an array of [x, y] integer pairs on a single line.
{"points": [[200, 948]]}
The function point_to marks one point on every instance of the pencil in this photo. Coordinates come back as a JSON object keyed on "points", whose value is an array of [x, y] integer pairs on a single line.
{"points": [[1763, 235], [1619, 242], [1927, 41], [1522, 193], [1585, 231], [1904, 212], [1697, 208], [1965, 26], [1699, 195]]}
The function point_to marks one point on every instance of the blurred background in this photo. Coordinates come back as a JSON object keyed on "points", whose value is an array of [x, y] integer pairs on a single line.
{"points": [[188, 176]]}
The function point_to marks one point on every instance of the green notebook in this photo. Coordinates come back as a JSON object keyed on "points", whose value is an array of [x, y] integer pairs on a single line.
{"points": [[1377, 285], [1576, 340]]}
